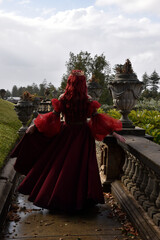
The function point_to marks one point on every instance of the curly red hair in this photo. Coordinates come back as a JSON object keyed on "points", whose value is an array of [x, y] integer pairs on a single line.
{"points": [[75, 96], [76, 86]]}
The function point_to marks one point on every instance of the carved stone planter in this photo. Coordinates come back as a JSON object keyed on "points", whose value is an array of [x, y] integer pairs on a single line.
{"points": [[94, 90], [125, 89], [24, 110]]}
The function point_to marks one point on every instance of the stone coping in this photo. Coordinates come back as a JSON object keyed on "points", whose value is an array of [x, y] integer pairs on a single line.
{"points": [[132, 131], [139, 218], [145, 150], [7, 182]]}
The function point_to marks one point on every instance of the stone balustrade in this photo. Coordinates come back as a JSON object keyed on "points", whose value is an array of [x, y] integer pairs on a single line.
{"points": [[45, 106], [131, 170], [141, 173]]}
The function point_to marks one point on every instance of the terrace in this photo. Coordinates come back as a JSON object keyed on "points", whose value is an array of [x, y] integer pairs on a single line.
{"points": [[130, 170]]}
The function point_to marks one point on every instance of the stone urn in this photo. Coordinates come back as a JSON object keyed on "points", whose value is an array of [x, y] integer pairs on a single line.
{"points": [[126, 90], [55, 93], [94, 89], [36, 103], [24, 110]]}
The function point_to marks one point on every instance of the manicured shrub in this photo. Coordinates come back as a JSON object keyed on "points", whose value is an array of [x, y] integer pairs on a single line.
{"points": [[148, 120]]}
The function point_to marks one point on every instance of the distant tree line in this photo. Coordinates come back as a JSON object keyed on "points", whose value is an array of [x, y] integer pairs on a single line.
{"points": [[96, 68], [38, 90]]}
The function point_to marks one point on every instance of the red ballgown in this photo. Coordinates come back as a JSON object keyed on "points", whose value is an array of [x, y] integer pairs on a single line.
{"points": [[59, 158]]}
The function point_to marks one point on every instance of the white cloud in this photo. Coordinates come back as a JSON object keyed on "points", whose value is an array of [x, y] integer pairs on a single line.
{"points": [[134, 6], [47, 11], [32, 49], [24, 2]]}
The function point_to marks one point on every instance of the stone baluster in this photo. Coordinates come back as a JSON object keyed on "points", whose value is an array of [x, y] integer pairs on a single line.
{"points": [[158, 198], [143, 185], [131, 174], [149, 186], [137, 193], [147, 204], [127, 180], [154, 196], [135, 177], [156, 217], [140, 175], [125, 167], [104, 158], [155, 192]]}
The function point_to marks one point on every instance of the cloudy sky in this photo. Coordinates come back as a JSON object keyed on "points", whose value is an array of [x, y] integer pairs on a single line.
{"points": [[37, 36]]}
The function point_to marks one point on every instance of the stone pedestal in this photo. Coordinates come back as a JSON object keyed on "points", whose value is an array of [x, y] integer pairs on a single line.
{"points": [[116, 156], [132, 131], [115, 161]]}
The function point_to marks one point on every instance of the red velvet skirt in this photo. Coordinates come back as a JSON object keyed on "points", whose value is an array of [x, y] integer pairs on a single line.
{"points": [[62, 171]]}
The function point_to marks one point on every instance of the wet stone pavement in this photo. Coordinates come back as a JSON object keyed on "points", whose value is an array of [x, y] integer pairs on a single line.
{"points": [[25, 221]]}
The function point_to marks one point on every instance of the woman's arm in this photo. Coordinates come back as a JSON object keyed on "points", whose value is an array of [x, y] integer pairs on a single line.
{"points": [[118, 137], [31, 129]]}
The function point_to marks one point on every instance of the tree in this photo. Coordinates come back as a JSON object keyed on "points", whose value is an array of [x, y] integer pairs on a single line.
{"points": [[63, 82], [97, 67], [150, 85], [51, 89], [100, 69], [42, 87], [154, 80], [106, 96], [8, 94], [35, 89], [146, 94], [21, 90], [15, 91], [2, 93], [81, 61], [146, 91], [30, 89], [145, 80]]}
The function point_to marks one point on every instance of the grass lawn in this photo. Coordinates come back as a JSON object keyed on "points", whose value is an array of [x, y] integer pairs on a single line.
{"points": [[9, 125]]}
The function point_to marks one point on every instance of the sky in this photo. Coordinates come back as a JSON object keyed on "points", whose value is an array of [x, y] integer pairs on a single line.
{"points": [[37, 36]]}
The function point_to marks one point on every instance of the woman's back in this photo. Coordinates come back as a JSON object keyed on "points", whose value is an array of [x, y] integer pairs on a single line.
{"points": [[75, 110]]}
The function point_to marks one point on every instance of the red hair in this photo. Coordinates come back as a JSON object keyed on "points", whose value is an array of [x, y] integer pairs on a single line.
{"points": [[76, 86], [75, 96]]}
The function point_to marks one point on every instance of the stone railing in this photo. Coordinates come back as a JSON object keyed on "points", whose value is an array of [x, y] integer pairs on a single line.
{"points": [[142, 173], [45, 106], [132, 169]]}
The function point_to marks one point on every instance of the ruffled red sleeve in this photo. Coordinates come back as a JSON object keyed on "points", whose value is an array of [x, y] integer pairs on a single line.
{"points": [[101, 124], [93, 106], [57, 105], [48, 123]]}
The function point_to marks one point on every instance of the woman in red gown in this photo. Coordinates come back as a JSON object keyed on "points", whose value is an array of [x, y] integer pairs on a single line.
{"points": [[59, 158]]}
